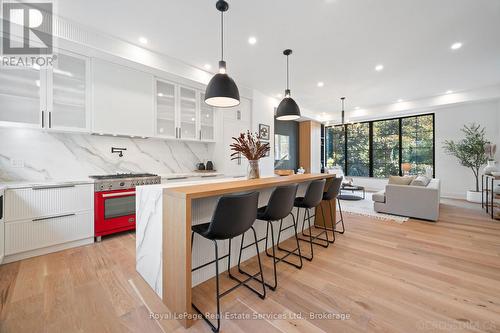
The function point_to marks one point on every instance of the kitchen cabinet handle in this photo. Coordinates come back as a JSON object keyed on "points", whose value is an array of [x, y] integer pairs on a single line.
{"points": [[208, 176], [52, 217], [50, 119], [44, 187], [174, 178], [200, 134], [121, 194], [43, 119]]}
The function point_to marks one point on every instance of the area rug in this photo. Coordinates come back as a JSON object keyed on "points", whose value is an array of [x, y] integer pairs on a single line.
{"points": [[365, 208]]}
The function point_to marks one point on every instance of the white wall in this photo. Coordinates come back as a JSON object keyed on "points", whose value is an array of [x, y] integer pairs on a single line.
{"points": [[263, 113], [456, 179]]}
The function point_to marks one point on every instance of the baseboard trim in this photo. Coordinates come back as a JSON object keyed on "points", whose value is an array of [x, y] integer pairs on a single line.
{"points": [[46, 250]]}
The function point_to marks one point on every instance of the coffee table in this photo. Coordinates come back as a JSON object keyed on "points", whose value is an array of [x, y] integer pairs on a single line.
{"points": [[353, 189]]}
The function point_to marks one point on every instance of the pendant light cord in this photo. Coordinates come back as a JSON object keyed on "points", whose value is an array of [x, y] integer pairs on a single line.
{"points": [[222, 34], [287, 73]]}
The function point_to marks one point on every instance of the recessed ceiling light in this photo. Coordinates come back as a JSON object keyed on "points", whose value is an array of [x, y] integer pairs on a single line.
{"points": [[456, 46], [252, 40], [400, 100], [449, 91], [379, 67], [143, 40], [356, 108], [207, 67], [321, 84], [279, 95], [160, 94]]}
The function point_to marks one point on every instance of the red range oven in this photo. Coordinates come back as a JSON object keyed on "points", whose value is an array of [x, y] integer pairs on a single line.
{"points": [[114, 201]]}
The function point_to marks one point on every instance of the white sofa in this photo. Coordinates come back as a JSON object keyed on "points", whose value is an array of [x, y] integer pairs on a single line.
{"points": [[421, 202]]}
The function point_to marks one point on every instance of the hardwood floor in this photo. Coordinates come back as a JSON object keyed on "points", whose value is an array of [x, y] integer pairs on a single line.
{"points": [[383, 276]]}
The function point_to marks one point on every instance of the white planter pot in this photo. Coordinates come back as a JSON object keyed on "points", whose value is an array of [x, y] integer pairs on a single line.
{"points": [[474, 196]]}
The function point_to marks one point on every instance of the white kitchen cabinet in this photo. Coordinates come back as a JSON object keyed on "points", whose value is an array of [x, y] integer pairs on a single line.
{"points": [[123, 100], [68, 102], [207, 120], [51, 98], [47, 218], [28, 235], [188, 113], [182, 114]]}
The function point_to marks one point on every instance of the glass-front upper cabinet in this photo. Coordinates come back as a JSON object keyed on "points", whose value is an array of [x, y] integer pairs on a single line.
{"points": [[67, 100], [21, 100], [188, 113], [51, 98], [181, 113], [207, 120], [165, 110]]}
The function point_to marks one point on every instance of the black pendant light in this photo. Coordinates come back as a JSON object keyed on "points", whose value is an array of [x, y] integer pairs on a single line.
{"points": [[288, 108], [222, 91], [342, 99]]}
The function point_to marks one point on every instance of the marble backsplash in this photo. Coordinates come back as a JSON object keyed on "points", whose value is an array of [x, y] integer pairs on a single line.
{"points": [[34, 155]]}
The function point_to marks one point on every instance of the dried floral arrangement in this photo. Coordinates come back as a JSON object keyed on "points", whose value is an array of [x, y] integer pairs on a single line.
{"points": [[249, 145]]}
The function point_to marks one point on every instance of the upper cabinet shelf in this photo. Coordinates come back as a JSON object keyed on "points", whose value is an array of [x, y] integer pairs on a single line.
{"points": [[182, 114]]}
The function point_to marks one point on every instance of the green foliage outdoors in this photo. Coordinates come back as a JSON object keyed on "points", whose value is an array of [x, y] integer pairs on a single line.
{"points": [[416, 146]]}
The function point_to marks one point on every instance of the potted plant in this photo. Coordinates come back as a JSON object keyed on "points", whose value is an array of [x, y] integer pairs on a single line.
{"points": [[470, 153], [249, 145]]}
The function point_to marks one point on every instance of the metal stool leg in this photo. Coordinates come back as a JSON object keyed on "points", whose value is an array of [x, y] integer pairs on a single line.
{"points": [[341, 219], [289, 252], [217, 295]]}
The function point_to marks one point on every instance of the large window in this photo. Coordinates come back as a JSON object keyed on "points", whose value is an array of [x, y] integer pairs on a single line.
{"points": [[381, 148], [358, 149], [418, 143], [385, 148]]}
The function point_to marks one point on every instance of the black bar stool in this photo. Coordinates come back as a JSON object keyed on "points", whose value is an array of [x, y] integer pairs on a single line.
{"points": [[312, 199], [280, 205], [332, 194], [233, 216]]}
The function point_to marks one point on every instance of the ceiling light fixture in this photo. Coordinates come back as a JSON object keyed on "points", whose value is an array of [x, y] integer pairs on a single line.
{"points": [[400, 100], [288, 108], [143, 40], [378, 68], [207, 67], [252, 40], [449, 92], [321, 84], [356, 108], [456, 46], [222, 91]]}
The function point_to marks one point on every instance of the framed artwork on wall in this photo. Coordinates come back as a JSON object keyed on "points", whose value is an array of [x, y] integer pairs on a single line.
{"points": [[264, 132]]}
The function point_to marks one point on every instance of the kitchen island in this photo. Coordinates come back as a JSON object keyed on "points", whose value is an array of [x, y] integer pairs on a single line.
{"points": [[165, 214]]}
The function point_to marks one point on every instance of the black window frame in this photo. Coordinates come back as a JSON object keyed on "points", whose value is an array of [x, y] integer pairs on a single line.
{"points": [[370, 154]]}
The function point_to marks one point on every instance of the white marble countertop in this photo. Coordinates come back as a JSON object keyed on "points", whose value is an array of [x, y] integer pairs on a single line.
{"points": [[189, 174], [26, 184]]}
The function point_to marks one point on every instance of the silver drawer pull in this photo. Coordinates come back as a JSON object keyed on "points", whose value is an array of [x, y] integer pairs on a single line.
{"points": [[177, 178], [52, 217], [207, 176], [45, 187]]}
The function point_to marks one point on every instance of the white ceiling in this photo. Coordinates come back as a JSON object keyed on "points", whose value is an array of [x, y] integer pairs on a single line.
{"points": [[338, 42]]}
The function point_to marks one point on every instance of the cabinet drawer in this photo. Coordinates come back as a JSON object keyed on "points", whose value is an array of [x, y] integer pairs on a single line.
{"points": [[21, 236], [29, 203]]}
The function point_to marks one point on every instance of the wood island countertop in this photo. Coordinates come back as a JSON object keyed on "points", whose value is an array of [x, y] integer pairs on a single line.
{"points": [[225, 187]]}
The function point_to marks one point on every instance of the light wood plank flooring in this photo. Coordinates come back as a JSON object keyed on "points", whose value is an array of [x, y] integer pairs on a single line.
{"points": [[386, 277]]}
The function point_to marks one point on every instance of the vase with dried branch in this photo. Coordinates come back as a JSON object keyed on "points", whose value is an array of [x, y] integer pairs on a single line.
{"points": [[249, 145]]}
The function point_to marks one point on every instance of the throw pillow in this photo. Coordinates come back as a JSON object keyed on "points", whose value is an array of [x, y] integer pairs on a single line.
{"points": [[420, 181], [397, 180]]}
